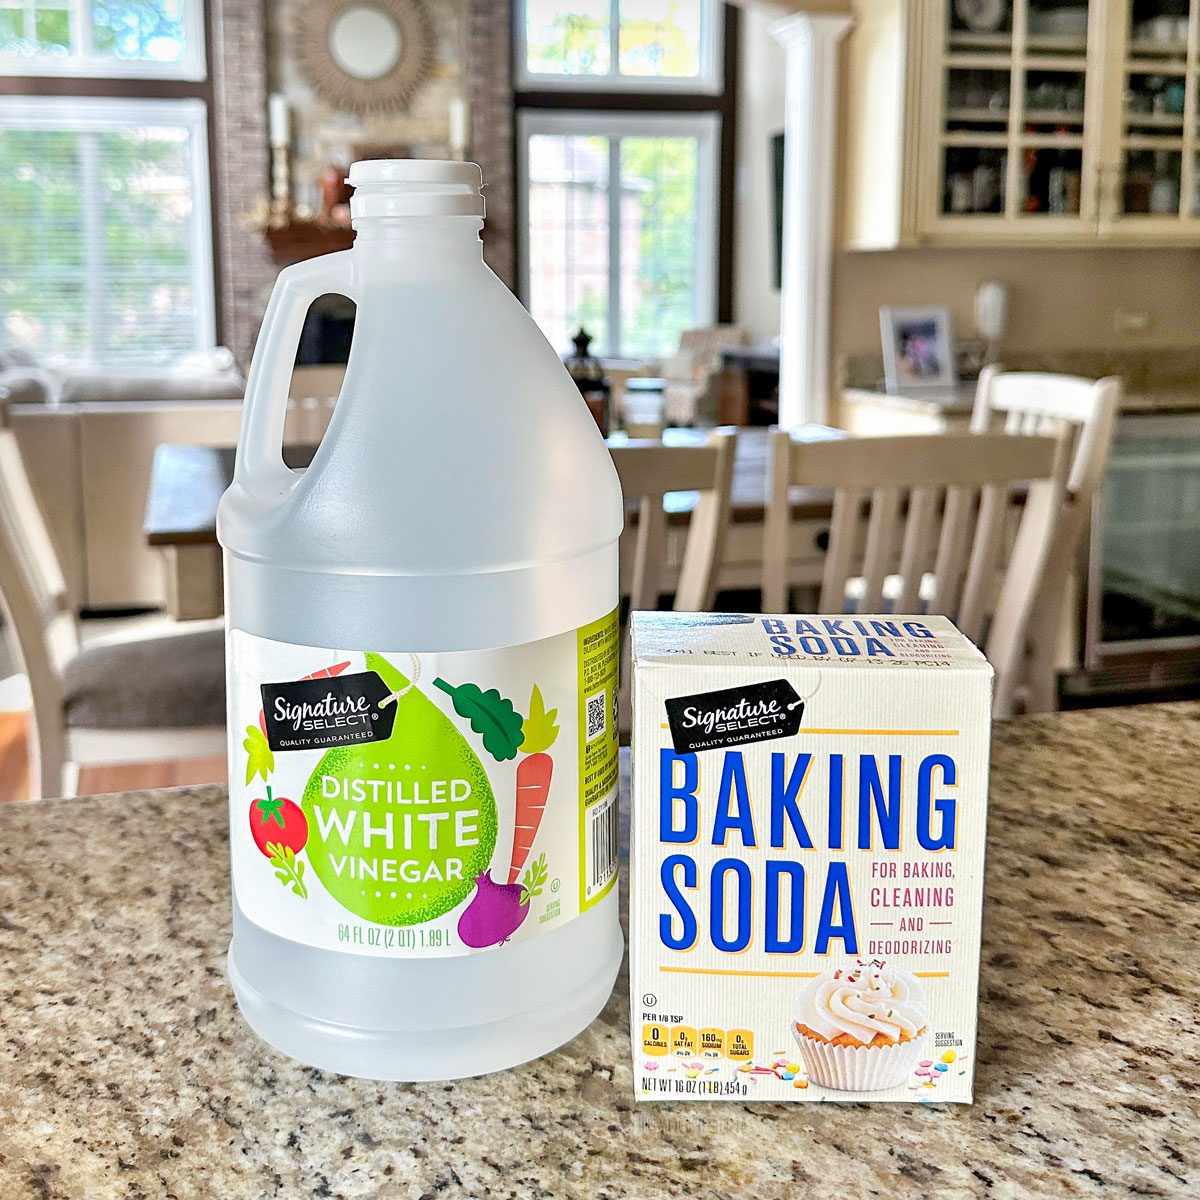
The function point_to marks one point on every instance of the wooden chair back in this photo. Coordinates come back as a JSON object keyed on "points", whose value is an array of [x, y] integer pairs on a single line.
{"points": [[33, 594], [648, 471], [1084, 411], [923, 522]]}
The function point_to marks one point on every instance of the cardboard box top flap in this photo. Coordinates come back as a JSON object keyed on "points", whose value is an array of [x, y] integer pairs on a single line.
{"points": [[740, 639]]}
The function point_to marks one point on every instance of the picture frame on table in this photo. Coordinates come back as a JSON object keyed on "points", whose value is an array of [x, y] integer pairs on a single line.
{"points": [[918, 351]]}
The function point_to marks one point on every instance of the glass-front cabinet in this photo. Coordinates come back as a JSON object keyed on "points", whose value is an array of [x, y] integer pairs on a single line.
{"points": [[1150, 177], [1015, 109], [1027, 120]]}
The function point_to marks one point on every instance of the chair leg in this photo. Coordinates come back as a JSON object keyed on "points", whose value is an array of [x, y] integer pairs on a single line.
{"points": [[47, 758], [70, 780], [1043, 657]]}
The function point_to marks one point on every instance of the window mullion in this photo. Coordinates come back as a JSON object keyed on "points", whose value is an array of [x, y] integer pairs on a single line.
{"points": [[614, 37], [82, 42], [93, 245], [614, 245]]}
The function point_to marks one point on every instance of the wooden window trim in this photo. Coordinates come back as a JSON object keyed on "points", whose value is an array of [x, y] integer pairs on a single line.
{"points": [[724, 103]]}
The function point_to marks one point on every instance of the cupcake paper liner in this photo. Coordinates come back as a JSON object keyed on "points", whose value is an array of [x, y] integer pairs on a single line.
{"points": [[858, 1068]]}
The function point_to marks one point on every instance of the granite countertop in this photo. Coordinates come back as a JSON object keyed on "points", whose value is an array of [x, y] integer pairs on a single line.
{"points": [[125, 1070]]}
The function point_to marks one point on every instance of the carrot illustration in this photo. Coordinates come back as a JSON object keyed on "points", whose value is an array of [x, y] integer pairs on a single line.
{"points": [[533, 779], [323, 673]]}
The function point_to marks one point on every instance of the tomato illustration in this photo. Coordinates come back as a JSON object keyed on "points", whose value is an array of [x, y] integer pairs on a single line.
{"points": [[277, 821]]}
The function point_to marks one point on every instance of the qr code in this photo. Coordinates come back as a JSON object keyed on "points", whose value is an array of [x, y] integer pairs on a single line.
{"points": [[597, 716]]}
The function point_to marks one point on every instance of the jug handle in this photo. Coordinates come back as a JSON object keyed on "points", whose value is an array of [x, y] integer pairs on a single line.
{"points": [[259, 461]]}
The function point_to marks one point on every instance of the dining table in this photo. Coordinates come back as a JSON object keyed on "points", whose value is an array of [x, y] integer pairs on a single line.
{"points": [[187, 482], [126, 1071]]}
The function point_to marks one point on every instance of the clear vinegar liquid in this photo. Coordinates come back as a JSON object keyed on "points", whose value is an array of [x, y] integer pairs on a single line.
{"points": [[461, 499]]}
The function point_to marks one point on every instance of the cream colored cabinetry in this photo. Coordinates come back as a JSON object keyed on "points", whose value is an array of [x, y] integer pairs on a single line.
{"points": [[1022, 122]]}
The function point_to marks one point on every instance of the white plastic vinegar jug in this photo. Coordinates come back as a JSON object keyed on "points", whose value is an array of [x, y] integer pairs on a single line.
{"points": [[422, 658]]}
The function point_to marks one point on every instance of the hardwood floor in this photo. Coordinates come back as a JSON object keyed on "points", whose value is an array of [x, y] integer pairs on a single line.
{"points": [[128, 777], [14, 756], [117, 777]]}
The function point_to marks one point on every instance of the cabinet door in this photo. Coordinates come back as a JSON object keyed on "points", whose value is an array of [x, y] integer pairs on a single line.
{"points": [[1013, 107], [1149, 175]]}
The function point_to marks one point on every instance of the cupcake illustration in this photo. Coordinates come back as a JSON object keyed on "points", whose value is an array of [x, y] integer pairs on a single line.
{"points": [[860, 1028]]}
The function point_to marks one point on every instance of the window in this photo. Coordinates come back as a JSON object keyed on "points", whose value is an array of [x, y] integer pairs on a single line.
{"points": [[105, 245], [106, 241], [157, 39], [621, 213], [624, 130], [619, 44]]}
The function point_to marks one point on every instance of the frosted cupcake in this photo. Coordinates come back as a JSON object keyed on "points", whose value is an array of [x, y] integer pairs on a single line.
{"points": [[860, 1028]]}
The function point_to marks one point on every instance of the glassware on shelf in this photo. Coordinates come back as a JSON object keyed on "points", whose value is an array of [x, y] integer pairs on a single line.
{"points": [[1154, 102], [1152, 182], [978, 96], [973, 181], [1164, 192], [1059, 22], [980, 24], [1054, 96], [1053, 181]]}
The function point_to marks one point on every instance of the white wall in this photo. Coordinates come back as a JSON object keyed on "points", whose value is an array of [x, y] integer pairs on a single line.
{"points": [[760, 114]]}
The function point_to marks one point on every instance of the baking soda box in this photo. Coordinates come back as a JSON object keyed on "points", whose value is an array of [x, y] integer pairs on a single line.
{"points": [[809, 810]]}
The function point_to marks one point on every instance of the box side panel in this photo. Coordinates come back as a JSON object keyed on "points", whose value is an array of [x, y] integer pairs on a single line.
{"points": [[761, 869]]}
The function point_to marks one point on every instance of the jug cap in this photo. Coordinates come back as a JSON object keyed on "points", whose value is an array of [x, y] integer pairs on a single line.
{"points": [[415, 187]]}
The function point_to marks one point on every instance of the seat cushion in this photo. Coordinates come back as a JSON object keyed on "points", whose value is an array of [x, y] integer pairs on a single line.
{"points": [[175, 680]]}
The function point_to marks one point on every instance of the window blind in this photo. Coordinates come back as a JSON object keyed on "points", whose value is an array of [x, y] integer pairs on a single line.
{"points": [[105, 239]]}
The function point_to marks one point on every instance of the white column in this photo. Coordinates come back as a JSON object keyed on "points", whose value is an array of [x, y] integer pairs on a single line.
{"points": [[810, 41]]}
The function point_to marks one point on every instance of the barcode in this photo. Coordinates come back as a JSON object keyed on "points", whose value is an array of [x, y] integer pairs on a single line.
{"points": [[602, 844], [597, 718]]}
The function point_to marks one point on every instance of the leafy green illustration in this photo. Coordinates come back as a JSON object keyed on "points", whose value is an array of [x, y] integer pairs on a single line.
{"points": [[288, 868], [539, 729], [261, 760], [270, 809], [492, 717], [534, 879]]}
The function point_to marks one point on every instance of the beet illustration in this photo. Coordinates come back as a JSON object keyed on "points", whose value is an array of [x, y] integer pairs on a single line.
{"points": [[494, 914]]}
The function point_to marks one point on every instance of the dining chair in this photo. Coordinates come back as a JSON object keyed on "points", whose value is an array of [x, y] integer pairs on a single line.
{"points": [[649, 471], [116, 699], [1084, 411], [312, 397], [920, 524]]}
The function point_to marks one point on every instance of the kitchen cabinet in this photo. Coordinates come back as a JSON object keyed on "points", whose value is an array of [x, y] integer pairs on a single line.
{"points": [[1022, 122]]}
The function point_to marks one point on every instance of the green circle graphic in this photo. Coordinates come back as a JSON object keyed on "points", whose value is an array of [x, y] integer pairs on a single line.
{"points": [[399, 829]]}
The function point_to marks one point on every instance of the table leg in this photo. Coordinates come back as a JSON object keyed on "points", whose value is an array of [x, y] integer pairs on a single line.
{"points": [[733, 399], [194, 584]]}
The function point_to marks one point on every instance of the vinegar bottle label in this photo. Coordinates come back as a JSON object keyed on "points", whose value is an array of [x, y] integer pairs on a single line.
{"points": [[399, 804]]}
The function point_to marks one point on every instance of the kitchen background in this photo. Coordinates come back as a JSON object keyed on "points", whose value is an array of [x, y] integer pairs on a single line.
{"points": [[1051, 147]]}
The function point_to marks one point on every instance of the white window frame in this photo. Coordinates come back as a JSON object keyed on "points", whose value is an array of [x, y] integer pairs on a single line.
{"points": [[709, 82], [83, 62], [705, 127], [85, 114]]}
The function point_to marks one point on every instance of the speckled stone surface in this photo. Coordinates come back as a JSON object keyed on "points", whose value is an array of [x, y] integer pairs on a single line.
{"points": [[125, 1070]]}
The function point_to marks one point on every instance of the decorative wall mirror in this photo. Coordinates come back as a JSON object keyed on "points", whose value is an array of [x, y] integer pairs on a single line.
{"points": [[365, 55]]}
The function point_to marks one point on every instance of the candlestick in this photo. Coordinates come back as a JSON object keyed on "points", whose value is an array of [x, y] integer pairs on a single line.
{"points": [[280, 120], [459, 128], [281, 184]]}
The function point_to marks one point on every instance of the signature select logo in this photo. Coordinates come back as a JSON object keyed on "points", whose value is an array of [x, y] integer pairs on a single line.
{"points": [[755, 712], [329, 711], [311, 714]]}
